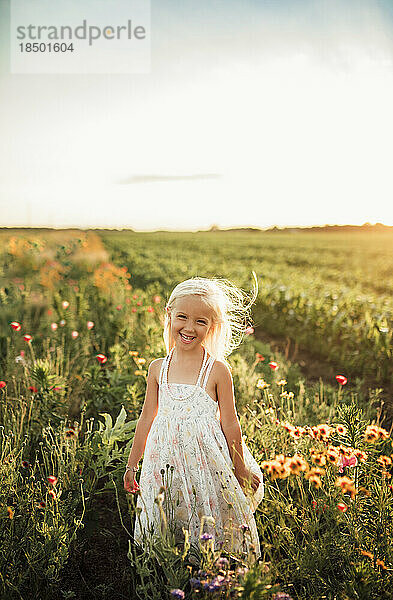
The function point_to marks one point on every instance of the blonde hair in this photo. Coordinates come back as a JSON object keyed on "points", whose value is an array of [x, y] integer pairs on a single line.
{"points": [[231, 311]]}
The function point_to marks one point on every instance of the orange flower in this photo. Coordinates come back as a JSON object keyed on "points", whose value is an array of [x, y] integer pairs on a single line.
{"points": [[385, 461], [341, 429], [346, 485], [259, 357], [10, 512], [360, 455], [315, 480]]}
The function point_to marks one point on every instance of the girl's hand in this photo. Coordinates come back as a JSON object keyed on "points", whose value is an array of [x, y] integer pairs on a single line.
{"points": [[130, 483], [246, 477]]}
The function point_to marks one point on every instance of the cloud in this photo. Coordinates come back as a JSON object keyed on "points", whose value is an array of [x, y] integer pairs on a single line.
{"points": [[164, 178]]}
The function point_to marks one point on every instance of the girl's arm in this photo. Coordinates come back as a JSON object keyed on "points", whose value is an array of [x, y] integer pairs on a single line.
{"points": [[147, 416], [229, 421], [231, 428]]}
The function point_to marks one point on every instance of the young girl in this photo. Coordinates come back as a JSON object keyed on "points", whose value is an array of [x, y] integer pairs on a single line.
{"points": [[188, 429]]}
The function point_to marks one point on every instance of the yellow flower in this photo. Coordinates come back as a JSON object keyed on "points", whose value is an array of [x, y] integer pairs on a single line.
{"points": [[261, 384], [282, 382], [10, 512], [133, 353]]}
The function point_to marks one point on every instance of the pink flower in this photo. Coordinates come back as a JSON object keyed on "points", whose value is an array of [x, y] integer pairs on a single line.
{"points": [[352, 461], [90, 324], [65, 304], [74, 335], [53, 326], [249, 330], [157, 299], [150, 309], [2, 384]]}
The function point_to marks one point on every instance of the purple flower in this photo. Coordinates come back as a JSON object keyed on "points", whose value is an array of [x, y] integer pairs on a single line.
{"points": [[222, 563], [178, 594], [281, 596], [206, 536], [195, 583]]}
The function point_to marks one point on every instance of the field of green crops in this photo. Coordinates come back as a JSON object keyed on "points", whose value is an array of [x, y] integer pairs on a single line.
{"points": [[81, 318]]}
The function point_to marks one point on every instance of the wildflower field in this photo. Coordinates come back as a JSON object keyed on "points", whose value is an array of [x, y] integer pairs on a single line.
{"points": [[81, 316]]}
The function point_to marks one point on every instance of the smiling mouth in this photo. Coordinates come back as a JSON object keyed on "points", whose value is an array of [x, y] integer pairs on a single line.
{"points": [[187, 338]]}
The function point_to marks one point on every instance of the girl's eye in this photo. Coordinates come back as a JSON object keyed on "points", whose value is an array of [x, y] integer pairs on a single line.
{"points": [[203, 322]]}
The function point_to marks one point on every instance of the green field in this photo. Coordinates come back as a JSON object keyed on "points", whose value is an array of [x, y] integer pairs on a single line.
{"points": [[64, 414]]}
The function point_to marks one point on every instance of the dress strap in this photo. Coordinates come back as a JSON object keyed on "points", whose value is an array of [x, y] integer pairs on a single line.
{"points": [[162, 371], [210, 363], [165, 363]]}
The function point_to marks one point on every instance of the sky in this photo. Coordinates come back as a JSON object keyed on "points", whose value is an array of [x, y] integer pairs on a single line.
{"points": [[254, 113]]}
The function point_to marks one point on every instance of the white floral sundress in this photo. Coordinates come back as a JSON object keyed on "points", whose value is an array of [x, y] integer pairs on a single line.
{"points": [[186, 442]]}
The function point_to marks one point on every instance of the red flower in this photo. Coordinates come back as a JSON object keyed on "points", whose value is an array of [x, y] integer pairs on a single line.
{"points": [[56, 388], [74, 335], [341, 506], [49, 312], [52, 479], [22, 353], [133, 309], [314, 503], [101, 358], [341, 379], [135, 296], [2, 384], [27, 338], [52, 494], [273, 365], [118, 307], [15, 325], [259, 356], [33, 389], [150, 309], [249, 330], [139, 303]]}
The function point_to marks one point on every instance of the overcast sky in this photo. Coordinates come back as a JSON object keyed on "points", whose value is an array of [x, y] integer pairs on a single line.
{"points": [[254, 113]]}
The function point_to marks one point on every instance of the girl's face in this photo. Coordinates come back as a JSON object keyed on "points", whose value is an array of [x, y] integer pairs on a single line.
{"points": [[191, 320]]}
